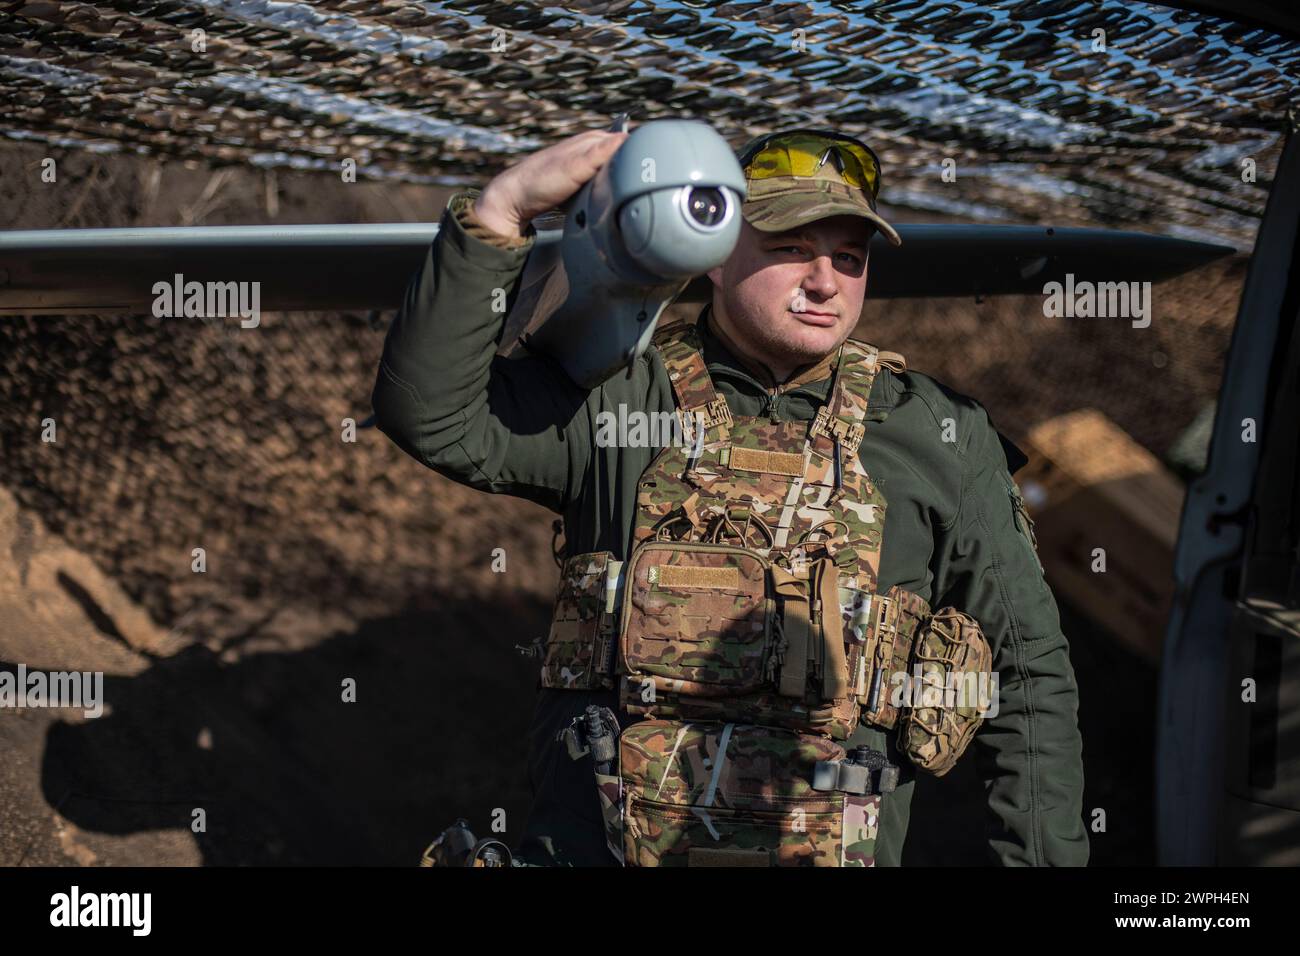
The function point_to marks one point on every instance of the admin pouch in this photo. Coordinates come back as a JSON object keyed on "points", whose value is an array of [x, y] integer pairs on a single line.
{"points": [[580, 642], [955, 666]]}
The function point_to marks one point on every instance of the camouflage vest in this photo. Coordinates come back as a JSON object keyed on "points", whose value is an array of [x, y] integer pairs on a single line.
{"points": [[747, 631]]}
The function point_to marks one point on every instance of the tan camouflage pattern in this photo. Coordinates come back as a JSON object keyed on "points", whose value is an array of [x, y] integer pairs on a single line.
{"points": [[815, 529], [792, 507], [687, 499], [609, 790], [744, 586], [710, 641], [683, 791], [837, 719], [581, 631], [712, 655], [861, 829], [847, 409], [950, 643], [684, 360], [807, 200], [855, 614]]}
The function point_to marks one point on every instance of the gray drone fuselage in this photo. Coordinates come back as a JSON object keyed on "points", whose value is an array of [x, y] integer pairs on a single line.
{"points": [[664, 209]]}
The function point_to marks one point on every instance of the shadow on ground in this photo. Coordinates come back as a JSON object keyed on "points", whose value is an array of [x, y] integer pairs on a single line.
{"points": [[285, 771]]}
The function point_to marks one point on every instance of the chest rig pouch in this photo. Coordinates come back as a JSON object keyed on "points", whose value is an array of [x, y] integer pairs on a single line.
{"points": [[746, 628]]}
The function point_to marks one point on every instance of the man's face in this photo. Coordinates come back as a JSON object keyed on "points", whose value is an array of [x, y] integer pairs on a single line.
{"points": [[793, 297]]}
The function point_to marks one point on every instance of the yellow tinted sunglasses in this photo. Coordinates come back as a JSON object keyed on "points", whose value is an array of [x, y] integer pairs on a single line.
{"points": [[802, 152]]}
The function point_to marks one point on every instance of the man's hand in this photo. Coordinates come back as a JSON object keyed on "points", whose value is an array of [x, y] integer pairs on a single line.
{"points": [[543, 180]]}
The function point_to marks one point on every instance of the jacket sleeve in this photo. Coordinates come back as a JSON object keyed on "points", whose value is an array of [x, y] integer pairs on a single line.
{"points": [[515, 425], [1029, 755]]}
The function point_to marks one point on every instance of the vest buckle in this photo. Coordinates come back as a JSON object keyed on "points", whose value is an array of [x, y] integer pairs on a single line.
{"points": [[862, 771], [886, 621], [715, 413], [847, 434]]}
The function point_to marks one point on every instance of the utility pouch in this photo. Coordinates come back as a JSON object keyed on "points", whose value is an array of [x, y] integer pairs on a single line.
{"points": [[956, 691], [812, 632], [579, 646], [880, 631], [715, 632], [697, 620], [712, 794]]}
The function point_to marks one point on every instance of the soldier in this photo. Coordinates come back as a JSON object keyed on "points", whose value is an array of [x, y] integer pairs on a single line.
{"points": [[755, 728]]}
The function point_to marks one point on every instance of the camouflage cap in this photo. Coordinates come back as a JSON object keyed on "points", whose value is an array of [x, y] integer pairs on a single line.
{"points": [[778, 203]]}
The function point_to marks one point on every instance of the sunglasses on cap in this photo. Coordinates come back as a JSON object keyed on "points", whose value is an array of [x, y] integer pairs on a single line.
{"points": [[801, 152]]}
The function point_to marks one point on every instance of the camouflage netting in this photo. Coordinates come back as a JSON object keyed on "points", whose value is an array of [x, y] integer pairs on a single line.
{"points": [[171, 438], [1080, 112]]}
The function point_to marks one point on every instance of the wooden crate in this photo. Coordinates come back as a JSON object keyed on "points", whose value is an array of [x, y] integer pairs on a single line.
{"points": [[1089, 485]]}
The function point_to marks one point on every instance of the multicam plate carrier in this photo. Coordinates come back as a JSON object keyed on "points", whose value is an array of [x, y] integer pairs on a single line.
{"points": [[747, 629]]}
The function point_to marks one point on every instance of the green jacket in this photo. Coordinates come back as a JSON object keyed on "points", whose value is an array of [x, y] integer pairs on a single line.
{"points": [[520, 426]]}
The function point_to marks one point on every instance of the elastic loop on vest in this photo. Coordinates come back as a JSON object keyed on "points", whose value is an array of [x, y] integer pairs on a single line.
{"points": [[817, 527]]}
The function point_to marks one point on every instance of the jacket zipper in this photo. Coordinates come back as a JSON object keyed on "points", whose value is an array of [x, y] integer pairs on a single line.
{"points": [[772, 394]]}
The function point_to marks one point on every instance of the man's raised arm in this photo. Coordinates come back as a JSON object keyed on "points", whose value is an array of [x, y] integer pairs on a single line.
{"points": [[506, 425]]}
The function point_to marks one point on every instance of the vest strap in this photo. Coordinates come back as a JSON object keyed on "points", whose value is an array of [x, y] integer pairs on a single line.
{"points": [[892, 361], [683, 354], [840, 419]]}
